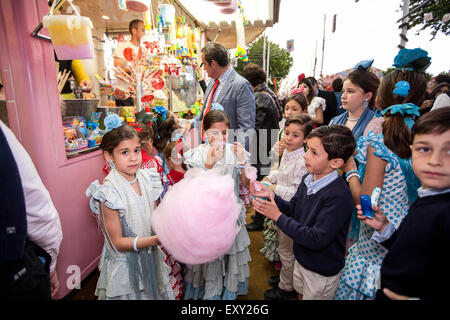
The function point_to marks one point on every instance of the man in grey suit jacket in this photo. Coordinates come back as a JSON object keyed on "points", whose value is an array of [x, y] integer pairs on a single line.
{"points": [[233, 92]]}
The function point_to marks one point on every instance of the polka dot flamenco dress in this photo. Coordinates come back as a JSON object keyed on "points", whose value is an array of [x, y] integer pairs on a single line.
{"points": [[361, 272]]}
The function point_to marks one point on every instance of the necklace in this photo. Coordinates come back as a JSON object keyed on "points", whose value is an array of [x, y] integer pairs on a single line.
{"points": [[353, 119], [132, 182]]}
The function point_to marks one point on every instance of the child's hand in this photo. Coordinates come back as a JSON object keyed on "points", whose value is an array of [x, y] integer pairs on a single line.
{"points": [[214, 154], [379, 220], [394, 296], [264, 192], [155, 240], [267, 208], [238, 150], [54, 283], [279, 147], [349, 165]]}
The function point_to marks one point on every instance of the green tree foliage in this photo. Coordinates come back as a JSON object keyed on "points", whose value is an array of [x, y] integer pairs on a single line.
{"points": [[437, 7], [280, 62]]}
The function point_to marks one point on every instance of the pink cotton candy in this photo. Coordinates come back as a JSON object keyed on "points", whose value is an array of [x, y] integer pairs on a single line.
{"points": [[196, 222], [251, 173]]}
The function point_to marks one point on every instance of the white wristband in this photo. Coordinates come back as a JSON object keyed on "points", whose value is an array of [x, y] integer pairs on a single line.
{"points": [[134, 244], [352, 175]]}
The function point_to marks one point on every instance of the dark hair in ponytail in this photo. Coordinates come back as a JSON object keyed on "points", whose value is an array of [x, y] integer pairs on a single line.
{"points": [[145, 135], [310, 85], [163, 129], [397, 136]]}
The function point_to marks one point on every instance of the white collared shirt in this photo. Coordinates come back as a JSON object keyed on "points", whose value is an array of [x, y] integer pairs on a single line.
{"points": [[421, 192], [390, 228], [222, 80], [289, 174], [315, 186]]}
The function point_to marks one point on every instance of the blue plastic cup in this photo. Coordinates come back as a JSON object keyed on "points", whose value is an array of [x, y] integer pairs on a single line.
{"points": [[366, 206]]}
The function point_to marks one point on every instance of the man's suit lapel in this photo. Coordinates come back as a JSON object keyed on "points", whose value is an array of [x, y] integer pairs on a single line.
{"points": [[208, 91], [226, 87], [206, 96]]}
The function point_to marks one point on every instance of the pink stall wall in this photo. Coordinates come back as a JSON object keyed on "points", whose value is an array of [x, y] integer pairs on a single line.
{"points": [[28, 72]]}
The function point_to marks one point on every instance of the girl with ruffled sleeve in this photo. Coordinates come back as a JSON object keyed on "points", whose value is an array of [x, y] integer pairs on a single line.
{"points": [[132, 264], [227, 276], [316, 105], [385, 162]]}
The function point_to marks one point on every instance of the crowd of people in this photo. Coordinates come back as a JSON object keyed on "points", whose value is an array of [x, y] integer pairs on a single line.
{"points": [[316, 153]]}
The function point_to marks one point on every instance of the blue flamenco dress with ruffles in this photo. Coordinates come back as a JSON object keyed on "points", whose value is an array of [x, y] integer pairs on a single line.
{"points": [[226, 277], [361, 272]]}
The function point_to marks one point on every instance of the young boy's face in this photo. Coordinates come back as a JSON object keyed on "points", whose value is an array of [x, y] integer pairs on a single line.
{"points": [[431, 159], [316, 159], [293, 137]]}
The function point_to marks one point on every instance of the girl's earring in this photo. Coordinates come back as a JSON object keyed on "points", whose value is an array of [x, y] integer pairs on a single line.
{"points": [[366, 103], [111, 164]]}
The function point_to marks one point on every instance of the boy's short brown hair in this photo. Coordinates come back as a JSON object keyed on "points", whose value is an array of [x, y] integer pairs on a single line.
{"points": [[337, 140], [302, 120], [434, 122]]}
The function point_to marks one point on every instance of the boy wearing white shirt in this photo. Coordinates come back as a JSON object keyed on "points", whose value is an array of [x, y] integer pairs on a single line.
{"points": [[287, 178]]}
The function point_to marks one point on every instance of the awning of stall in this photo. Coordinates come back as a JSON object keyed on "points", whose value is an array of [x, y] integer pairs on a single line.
{"points": [[221, 27], [118, 20], [205, 15]]}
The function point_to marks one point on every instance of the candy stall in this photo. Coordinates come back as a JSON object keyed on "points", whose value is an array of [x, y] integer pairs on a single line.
{"points": [[62, 131], [62, 135]]}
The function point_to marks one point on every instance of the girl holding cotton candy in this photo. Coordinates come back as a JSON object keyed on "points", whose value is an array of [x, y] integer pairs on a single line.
{"points": [[385, 162], [132, 266], [226, 276]]}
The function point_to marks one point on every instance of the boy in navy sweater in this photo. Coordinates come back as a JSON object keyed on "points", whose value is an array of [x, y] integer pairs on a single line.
{"points": [[418, 261], [317, 217]]}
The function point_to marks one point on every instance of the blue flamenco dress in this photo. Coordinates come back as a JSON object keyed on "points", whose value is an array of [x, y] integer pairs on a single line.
{"points": [[226, 277], [360, 275]]}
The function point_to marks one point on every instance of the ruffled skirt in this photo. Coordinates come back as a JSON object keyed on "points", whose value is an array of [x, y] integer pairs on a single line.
{"points": [[221, 279]]}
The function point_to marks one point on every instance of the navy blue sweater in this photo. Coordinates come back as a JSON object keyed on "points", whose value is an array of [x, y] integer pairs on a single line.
{"points": [[318, 224], [13, 221], [418, 261]]}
